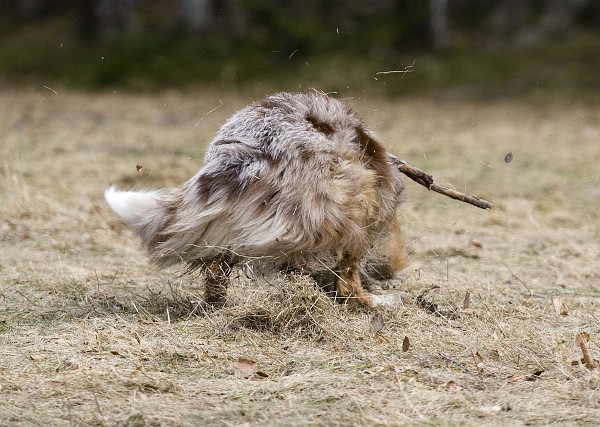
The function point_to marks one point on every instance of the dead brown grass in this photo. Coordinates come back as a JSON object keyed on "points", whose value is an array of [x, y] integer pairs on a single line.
{"points": [[91, 335]]}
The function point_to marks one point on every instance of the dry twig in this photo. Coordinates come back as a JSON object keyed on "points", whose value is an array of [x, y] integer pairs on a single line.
{"points": [[426, 180], [587, 360]]}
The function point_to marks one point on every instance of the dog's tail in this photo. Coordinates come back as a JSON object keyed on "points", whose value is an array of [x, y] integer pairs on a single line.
{"points": [[146, 212], [137, 208]]}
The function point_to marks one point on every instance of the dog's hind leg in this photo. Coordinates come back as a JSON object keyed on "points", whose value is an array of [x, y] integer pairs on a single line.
{"points": [[216, 277]]}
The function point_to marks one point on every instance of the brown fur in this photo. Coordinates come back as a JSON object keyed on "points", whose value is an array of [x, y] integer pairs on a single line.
{"points": [[296, 181]]}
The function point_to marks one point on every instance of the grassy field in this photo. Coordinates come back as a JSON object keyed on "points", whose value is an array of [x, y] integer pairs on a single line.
{"points": [[90, 334]]}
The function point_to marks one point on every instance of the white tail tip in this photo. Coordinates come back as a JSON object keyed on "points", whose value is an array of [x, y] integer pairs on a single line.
{"points": [[133, 207]]}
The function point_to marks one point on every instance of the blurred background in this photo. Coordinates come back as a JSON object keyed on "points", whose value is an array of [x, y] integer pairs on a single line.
{"points": [[461, 48]]}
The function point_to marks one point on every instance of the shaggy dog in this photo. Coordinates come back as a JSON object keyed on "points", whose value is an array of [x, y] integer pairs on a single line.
{"points": [[295, 181]]}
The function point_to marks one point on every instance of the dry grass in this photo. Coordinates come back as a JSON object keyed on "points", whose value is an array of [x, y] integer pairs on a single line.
{"points": [[91, 335]]}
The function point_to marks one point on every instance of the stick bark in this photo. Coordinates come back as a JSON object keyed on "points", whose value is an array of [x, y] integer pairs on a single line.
{"points": [[426, 180]]}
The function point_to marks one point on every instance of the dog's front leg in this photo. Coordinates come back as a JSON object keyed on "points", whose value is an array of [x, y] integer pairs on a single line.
{"points": [[349, 285]]}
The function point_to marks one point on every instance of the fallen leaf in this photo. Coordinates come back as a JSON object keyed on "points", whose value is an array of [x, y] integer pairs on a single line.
{"points": [[535, 375], [467, 301], [583, 362], [405, 344], [496, 353], [479, 362], [582, 339], [136, 370], [452, 386], [376, 323], [246, 367], [38, 357], [450, 361], [476, 244], [72, 365], [433, 308], [557, 303], [516, 378], [531, 377], [559, 307]]}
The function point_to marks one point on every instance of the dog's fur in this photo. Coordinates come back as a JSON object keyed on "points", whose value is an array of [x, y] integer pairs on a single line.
{"points": [[296, 181]]}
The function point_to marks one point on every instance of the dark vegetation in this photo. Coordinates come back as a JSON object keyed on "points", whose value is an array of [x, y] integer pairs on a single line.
{"points": [[269, 46]]}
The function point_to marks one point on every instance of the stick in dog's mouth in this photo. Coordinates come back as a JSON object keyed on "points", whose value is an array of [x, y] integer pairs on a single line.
{"points": [[427, 180]]}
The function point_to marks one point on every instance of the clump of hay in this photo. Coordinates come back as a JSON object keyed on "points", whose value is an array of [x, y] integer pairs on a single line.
{"points": [[287, 305]]}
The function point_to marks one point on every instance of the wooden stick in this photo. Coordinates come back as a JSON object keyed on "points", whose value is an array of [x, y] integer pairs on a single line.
{"points": [[582, 340], [426, 180]]}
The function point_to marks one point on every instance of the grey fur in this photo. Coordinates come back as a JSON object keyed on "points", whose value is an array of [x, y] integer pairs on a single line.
{"points": [[296, 181]]}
